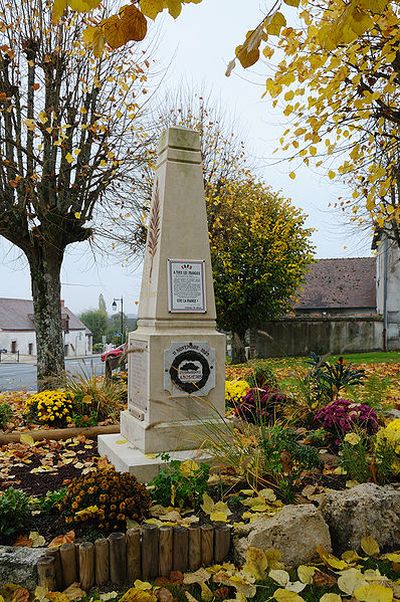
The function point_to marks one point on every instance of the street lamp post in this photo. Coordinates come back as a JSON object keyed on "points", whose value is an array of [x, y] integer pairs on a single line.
{"points": [[114, 306]]}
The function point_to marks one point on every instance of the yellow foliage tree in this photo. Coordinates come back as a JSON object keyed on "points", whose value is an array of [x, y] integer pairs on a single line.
{"points": [[338, 83], [260, 251]]}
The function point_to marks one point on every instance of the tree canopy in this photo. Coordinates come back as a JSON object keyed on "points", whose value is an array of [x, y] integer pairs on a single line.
{"points": [[70, 142], [338, 84], [260, 251]]}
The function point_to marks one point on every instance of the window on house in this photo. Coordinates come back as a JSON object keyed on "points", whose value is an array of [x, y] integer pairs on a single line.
{"points": [[13, 346]]}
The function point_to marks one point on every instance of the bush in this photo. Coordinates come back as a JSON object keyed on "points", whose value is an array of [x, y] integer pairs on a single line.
{"points": [[285, 458], [53, 408], [105, 499], [261, 406], [342, 416], [97, 395], [262, 377], [332, 377], [15, 513], [6, 413], [180, 484]]}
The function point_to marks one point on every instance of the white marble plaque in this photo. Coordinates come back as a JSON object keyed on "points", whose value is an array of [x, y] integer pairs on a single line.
{"points": [[138, 377], [186, 286], [189, 368]]}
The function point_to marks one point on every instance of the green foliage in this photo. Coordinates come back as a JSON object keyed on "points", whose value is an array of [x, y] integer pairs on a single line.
{"points": [[105, 498], [51, 500], [15, 512], [89, 419], [355, 460], [263, 376], [386, 461], [374, 392], [97, 322], [331, 378], [6, 413], [285, 457], [180, 484], [98, 348]]}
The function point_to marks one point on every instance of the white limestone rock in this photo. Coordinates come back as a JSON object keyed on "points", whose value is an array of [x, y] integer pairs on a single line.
{"points": [[18, 565], [296, 531], [366, 509]]}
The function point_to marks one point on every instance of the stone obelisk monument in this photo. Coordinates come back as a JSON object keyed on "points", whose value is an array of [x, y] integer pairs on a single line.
{"points": [[176, 359]]}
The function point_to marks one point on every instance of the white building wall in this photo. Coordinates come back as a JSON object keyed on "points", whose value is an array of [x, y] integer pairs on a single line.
{"points": [[76, 342], [23, 338], [393, 290]]}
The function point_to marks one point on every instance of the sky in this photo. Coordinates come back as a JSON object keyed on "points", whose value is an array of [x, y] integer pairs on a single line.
{"points": [[195, 50]]}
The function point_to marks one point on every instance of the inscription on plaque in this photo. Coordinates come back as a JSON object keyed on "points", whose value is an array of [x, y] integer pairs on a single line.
{"points": [[186, 286], [189, 368], [138, 378]]}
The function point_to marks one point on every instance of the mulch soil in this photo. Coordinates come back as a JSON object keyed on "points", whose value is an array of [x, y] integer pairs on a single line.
{"points": [[45, 466]]}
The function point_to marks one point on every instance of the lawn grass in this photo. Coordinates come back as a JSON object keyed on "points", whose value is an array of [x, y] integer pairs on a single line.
{"points": [[373, 357]]}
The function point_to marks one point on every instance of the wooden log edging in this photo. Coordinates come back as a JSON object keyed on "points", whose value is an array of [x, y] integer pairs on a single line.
{"points": [[142, 553], [59, 434]]}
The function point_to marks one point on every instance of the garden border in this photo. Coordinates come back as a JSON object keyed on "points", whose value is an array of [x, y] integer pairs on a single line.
{"points": [[62, 433], [145, 552]]}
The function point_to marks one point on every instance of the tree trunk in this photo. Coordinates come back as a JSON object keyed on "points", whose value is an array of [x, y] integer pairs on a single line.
{"points": [[238, 348], [45, 266]]}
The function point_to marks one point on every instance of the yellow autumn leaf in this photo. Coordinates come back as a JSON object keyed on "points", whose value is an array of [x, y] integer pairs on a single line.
{"points": [[350, 580], [38, 541], [305, 573], [281, 577], [392, 557], [188, 467], [77, 215], [83, 5], [43, 117], [370, 546], [283, 595], [331, 560], [151, 8], [142, 585], [292, 175], [69, 158], [256, 564], [275, 24], [59, 7], [208, 503], [373, 592], [331, 598], [27, 439], [94, 37], [30, 124], [292, 2]]}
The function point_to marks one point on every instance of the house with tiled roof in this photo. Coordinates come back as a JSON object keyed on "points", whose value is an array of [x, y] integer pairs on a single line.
{"points": [[17, 329], [343, 306]]}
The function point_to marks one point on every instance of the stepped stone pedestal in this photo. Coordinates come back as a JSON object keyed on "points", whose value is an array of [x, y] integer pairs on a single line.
{"points": [[176, 358]]}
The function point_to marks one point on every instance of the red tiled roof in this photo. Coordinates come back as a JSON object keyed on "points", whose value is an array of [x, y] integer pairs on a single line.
{"points": [[340, 284]]}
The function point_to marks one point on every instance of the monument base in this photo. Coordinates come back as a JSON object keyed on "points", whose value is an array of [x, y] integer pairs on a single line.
{"points": [[127, 458], [164, 436]]}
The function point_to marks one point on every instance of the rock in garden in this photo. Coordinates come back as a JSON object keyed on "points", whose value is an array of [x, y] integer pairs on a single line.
{"points": [[296, 531], [18, 565], [366, 509]]}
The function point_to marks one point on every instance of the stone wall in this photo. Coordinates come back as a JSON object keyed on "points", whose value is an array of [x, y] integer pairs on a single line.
{"points": [[300, 336]]}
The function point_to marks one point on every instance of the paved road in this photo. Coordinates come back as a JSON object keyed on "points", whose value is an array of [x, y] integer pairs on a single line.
{"points": [[23, 376]]}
